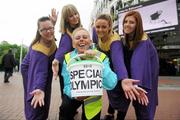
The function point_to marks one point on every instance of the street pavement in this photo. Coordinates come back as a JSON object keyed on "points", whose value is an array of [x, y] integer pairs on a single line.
{"points": [[12, 106]]}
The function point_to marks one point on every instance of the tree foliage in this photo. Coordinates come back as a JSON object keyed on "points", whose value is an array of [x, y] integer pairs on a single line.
{"points": [[16, 49]]}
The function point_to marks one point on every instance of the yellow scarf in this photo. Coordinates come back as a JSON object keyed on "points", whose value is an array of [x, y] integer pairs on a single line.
{"points": [[105, 46], [43, 49]]}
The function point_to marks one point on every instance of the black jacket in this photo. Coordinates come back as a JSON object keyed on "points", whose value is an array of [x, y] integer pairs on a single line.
{"points": [[8, 61]]}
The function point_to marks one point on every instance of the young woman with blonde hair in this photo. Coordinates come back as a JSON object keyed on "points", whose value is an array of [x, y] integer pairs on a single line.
{"points": [[70, 20]]}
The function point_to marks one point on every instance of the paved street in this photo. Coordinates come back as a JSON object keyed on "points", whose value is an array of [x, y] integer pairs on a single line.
{"points": [[11, 100]]}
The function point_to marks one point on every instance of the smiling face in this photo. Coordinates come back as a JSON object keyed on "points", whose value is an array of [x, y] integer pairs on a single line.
{"points": [[73, 19], [102, 28], [46, 30], [81, 40], [129, 25]]}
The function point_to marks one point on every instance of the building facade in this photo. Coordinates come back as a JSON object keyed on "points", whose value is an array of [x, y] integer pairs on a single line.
{"points": [[162, 26]]}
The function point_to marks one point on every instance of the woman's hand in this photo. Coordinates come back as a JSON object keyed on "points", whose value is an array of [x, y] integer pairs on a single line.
{"points": [[129, 89], [133, 92], [90, 53], [55, 68], [142, 98], [38, 98], [54, 15]]}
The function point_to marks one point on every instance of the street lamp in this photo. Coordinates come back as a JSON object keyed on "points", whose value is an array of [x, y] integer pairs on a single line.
{"points": [[20, 59]]}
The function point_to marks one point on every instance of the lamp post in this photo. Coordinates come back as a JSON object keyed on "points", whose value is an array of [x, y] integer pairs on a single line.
{"points": [[20, 59]]}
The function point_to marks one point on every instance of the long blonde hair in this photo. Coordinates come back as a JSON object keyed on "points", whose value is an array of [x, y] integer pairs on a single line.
{"points": [[67, 10]]}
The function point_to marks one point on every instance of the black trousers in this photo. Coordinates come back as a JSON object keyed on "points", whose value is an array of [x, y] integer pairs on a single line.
{"points": [[120, 114], [111, 109], [68, 109], [8, 73]]}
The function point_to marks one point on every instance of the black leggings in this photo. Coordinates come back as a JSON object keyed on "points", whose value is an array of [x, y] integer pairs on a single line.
{"points": [[68, 108], [111, 109], [121, 115]]}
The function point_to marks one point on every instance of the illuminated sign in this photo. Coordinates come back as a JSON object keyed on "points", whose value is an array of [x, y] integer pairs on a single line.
{"points": [[156, 15]]}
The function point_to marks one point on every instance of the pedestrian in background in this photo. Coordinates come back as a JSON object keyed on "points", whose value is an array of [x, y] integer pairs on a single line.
{"points": [[135, 58], [8, 62], [37, 73]]}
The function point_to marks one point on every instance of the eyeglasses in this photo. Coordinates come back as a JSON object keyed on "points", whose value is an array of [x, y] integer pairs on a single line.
{"points": [[79, 37], [51, 29]]}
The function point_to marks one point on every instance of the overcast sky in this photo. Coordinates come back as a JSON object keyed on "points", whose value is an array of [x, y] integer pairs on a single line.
{"points": [[18, 18]]}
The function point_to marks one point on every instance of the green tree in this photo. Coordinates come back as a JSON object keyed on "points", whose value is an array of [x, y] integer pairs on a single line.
{"points": [[5, 46]]}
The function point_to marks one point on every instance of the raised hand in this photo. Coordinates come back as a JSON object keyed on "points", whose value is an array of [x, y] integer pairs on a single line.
{"points": [[54, 15], [38, 98]]}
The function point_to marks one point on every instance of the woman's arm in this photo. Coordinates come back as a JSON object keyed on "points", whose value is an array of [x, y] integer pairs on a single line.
{"points": [[117, 57], [109, 77]]}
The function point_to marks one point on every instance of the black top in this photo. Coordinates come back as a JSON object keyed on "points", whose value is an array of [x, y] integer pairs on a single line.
{"points": [[127, 58], [107, 53]]}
